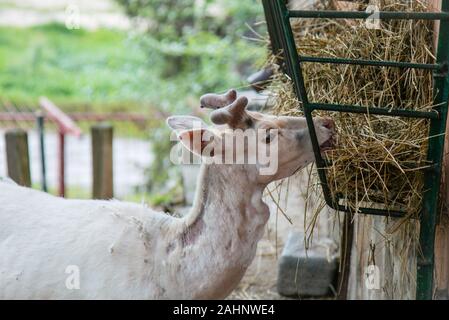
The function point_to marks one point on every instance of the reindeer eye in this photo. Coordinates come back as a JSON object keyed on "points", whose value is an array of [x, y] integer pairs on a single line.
{"points": [[270, 136]]}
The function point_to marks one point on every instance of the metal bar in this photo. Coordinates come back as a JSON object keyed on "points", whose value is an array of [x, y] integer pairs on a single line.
{"points": [[308, 109], [333, 203], [14, 117], [292, 61], [374, 110], [291, 56], [290, 53], [61, 162], [82, 116], [40, 129], [320, 162], [437, 125], [63, 121], [288, 65], [424, 290], [374, 63], [386, 15], [271, 26], [375, 212]]}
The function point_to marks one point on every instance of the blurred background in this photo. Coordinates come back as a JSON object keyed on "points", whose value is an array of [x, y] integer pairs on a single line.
{"points": [[86, 87], [131, 63]]}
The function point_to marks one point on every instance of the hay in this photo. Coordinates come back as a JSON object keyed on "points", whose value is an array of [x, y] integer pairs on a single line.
{"points": [[377, 160]]}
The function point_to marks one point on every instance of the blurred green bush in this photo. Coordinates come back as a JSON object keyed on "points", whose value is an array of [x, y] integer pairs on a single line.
{"points": [[197, 46]]}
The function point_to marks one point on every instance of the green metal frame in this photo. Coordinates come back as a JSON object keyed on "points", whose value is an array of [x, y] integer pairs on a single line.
{"points": [[278, 18]]}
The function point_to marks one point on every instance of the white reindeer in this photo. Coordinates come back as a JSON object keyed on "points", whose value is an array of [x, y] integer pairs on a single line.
{"points": [[123, 250]]}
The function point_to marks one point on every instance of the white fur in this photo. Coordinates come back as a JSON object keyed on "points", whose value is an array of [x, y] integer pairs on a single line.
{"points": [[127, 251]]}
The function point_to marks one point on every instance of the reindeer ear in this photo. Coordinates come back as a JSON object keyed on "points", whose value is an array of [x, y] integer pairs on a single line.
{"points": [[199, 141], [185, 123]]}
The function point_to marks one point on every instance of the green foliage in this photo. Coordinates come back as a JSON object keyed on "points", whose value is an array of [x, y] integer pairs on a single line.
{"points": [[184, 36], [199, 47], [174, 19], [168, 18], [75, 68], [187, 50]]}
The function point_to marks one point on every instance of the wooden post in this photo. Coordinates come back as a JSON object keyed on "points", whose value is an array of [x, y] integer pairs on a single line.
{"points": [[345, 263], [441, 283], [102, 136], [17, 156], [442, 262]]}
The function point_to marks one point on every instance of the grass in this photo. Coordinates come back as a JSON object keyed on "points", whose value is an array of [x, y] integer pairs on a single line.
{"points": [[101, 70], [106, 70]]}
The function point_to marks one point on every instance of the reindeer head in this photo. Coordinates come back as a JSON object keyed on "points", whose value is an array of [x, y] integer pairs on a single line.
{"points": [[252, 136]]}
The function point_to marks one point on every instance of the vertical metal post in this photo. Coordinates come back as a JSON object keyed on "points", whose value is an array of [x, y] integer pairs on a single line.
{"points": [[294, 66], [425, 265], [61, 162], [291, 54], [281, 25], [40, 129], [271, 26]]}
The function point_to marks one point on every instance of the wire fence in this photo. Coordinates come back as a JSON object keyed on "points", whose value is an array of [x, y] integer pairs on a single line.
{"points": [[131, 155]]}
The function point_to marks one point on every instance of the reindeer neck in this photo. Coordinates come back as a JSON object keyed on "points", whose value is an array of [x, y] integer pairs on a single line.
{"points": [[219, 236], [228, 207]]}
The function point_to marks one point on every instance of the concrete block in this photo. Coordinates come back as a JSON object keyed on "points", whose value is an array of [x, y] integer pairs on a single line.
{"points": [[307, 274]]}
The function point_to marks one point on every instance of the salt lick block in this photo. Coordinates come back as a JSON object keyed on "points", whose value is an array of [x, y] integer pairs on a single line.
{"points": [[306, 274]]}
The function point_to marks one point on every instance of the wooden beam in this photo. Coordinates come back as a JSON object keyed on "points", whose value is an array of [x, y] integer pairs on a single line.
{"points": [[17, 157], [441, 282], [345, 263], [64, 122], [102, 164], [442, 262]]}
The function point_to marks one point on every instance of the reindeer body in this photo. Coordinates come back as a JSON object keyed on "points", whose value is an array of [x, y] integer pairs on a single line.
{"points": [[122, 250]]}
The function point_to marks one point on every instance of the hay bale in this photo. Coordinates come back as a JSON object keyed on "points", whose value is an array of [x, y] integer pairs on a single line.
{"points": [[377, 159]]}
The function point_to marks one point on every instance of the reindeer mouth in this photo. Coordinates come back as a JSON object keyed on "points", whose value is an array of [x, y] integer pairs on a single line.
{"points": [[329, 124], [327, 145]]}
